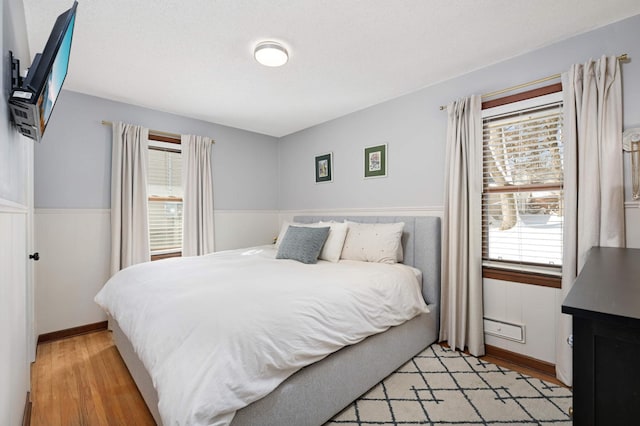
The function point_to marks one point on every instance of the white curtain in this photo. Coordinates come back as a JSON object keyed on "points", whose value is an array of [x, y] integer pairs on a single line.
{"points": [[593, 182], [197, 236], [129, 223], [461, 322]]}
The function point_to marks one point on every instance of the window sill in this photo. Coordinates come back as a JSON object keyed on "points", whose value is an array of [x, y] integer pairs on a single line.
{"points": [[523, 277], [166, 255]]}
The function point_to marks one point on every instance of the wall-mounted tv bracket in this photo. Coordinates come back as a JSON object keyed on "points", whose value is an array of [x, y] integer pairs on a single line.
{"points": [[16, 78]]}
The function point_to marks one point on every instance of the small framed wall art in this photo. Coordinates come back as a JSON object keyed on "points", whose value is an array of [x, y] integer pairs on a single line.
{"points": [[375, 161], [324, 168]]}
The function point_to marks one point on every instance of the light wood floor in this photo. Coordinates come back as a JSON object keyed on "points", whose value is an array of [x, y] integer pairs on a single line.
{"points": [[83, 381]]}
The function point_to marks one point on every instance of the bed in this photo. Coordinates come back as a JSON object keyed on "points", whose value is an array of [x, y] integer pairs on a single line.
{"points": [[315, 393]]}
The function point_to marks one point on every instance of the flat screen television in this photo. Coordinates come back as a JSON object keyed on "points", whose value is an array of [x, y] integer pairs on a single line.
{"points": [[32, 101]]}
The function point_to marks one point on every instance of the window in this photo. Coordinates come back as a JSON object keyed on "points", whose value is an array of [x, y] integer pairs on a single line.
{"points": [[522, 209], [165, 199]]}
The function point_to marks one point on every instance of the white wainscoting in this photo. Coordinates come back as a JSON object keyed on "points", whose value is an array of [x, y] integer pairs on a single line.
{"points": [[632, 221], [14, 356], [244, 228], [530, 305], [75, 249]]}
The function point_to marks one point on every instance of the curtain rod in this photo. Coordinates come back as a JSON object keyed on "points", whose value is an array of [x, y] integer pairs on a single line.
{"points": [[155, 132], [622, 58]]}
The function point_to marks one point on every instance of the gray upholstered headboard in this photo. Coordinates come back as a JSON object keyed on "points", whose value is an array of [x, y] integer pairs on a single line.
{"points": [[420, 241]]}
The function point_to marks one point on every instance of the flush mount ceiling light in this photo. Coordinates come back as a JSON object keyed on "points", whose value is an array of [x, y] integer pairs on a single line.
{"points": [[271, 54]]}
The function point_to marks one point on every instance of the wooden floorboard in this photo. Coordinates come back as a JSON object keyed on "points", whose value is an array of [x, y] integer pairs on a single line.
{"points": [[83, 381]]}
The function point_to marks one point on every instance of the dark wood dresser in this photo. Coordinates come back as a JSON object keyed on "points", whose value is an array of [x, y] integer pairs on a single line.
{"points": [[605, 304]]}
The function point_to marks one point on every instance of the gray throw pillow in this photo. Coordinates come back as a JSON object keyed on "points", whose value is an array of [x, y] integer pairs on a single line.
{"points": [[302, 243]]}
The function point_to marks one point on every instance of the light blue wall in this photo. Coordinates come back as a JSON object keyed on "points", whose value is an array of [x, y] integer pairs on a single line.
{"points": [[253, 171], [415, 128], [72, 164]]}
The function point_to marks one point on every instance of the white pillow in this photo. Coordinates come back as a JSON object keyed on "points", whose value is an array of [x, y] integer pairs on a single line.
{"points": [[332, 248], [374, 242]]}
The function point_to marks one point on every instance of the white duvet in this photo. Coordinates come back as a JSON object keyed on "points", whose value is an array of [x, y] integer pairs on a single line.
{"points": [[218, 332]]}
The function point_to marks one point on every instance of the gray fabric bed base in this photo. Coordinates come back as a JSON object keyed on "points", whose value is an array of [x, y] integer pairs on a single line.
{"points": [[314, 394]]}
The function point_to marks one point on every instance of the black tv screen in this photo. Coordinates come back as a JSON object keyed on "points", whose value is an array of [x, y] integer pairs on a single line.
{"points": [[31, 104]]}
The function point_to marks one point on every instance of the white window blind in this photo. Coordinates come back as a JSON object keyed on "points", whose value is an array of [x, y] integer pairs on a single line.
{"points": [[165, 200], [522, 211]]}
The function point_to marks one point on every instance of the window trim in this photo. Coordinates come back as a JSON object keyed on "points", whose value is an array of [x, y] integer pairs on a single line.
{"points": [[167, 255], [523, 277], [162, 138], [536, 275], [522, 96]]}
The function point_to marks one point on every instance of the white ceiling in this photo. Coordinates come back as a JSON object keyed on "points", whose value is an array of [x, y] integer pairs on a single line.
{"points": [[195, 57]]}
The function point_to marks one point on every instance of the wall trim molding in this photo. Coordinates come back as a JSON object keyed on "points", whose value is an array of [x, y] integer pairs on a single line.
{"points": [[400, 211], [245, 211], [410, 210], [72, 211], [108, 211], [8, 206], [632, 204], [73, 331]]}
